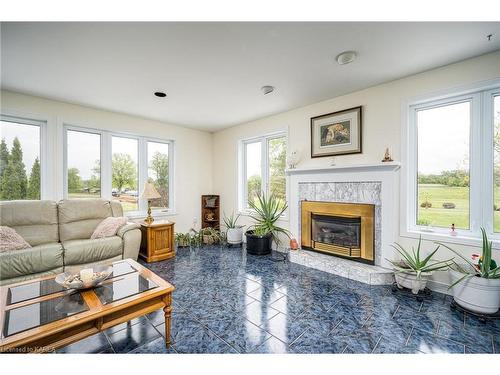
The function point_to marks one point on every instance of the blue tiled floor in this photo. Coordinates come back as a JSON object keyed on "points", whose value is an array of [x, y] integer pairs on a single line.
{"points": [[229, 302]]}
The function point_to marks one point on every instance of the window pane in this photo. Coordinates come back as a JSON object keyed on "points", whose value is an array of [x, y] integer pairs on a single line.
{"points": [[158, 172], [124, 172], [443, 166], [84, 173], [496, 158], [277, 159], [19, 161], [253, 169]]}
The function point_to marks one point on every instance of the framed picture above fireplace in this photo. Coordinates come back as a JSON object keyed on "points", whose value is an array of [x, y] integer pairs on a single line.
{"points": [[337, 133]]}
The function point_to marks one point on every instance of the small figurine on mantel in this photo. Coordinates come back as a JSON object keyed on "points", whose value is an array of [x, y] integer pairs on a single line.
{"points": [[293, 159], [387, 157], [332, 163]]}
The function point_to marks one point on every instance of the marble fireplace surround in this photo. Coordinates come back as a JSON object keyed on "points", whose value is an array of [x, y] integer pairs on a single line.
{"points": [[376, 184]]}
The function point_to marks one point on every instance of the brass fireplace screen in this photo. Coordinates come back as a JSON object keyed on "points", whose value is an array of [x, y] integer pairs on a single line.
{"points": [[342, 229]]}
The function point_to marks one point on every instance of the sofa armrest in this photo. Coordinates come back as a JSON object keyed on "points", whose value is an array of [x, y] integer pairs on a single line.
{"points": [[127, 227], [131, 237]]}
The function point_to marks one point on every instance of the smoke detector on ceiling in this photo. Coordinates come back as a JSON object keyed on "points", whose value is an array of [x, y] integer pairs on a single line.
{"points": [[346, 57], [267, 89]]}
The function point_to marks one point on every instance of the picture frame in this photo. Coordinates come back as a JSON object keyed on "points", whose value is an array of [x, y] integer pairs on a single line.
{"points": [[337, 133]]}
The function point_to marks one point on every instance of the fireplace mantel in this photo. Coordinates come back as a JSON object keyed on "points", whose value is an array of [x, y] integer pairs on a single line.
{"points": [[389, 166]]}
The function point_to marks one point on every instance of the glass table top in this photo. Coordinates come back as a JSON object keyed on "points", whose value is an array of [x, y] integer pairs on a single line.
{"points": [[37, 314], [123, 287], [37, 289], [32, 290]]}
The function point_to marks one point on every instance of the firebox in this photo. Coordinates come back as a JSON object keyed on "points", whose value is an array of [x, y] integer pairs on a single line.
{"points": [[341, 229]]}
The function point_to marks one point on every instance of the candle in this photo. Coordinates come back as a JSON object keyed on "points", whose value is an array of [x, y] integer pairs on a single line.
{"points": [[86, 274]]}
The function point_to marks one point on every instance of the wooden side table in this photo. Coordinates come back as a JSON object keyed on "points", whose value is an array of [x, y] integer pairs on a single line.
{"points": [[157, 241]]}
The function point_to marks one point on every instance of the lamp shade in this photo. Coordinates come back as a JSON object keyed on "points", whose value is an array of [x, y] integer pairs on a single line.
{"points": [[150, 192]]}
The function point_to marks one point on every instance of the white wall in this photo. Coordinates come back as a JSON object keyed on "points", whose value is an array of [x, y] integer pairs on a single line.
{"points": [[382, 124], [193, 148]]}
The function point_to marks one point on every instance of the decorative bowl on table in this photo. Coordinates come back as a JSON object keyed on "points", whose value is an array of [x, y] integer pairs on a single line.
{"points": [[84, 278]]}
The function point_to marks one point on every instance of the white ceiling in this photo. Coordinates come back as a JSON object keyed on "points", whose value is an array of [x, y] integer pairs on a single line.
{"points": [[212, 72]]}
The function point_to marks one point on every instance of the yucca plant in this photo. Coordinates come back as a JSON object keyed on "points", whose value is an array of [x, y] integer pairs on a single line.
{"points": [[487, 267], [230, 221], [266, 212], [411, 261]]}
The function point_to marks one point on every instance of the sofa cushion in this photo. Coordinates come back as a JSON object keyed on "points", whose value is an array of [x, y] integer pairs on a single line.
{"points": [[78, 218], [109, 227], [11, 240], [37, 259], [35, 221], [88, 251]]}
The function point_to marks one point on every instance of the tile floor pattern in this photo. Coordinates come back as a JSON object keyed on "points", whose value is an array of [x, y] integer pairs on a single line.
{"points": [[229, 302]]}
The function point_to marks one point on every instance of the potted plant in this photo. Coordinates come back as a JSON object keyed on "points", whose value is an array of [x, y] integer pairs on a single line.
{"points": [[234, 234], [266, 212], [476, 287], [183, 239], [196, 238], [411, 271], [210, 235]]}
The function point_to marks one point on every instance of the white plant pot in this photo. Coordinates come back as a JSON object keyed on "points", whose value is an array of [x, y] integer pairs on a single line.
{"points": [[235, 235], [409, 280], [476, 294]]}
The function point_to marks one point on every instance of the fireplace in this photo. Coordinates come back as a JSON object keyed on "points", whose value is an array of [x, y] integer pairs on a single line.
{"points": [[341, 229]]}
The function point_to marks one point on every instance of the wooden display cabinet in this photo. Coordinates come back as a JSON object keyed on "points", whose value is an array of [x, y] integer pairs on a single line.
{"points": [[210, 211], [157, 242]]}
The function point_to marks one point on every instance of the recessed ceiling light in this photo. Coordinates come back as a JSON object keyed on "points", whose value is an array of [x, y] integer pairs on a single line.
{"points": [[346, 57], [160, 94], [267, 89]]}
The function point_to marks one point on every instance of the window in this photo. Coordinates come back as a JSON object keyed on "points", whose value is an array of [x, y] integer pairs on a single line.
{"points": [[443, 165], [158, 172], [253, 170], [115, 166], [125, 173], [276, 149], [496, 161], [263, 168], [20, 158], [454, 164], [83, 174]]}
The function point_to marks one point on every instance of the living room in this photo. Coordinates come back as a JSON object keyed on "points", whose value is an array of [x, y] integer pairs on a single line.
{"points": [[250, 188]]}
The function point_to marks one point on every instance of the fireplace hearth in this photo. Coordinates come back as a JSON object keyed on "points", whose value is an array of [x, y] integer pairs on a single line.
{"points": [[341, 229]]}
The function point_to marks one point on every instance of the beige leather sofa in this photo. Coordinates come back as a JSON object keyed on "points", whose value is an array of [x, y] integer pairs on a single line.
{"points": [[59, 233]]}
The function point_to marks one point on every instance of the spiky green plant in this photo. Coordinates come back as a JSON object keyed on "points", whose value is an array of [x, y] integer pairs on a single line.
{"points": [[411, 261], [267, 210], [487, 267], [231, 221]]}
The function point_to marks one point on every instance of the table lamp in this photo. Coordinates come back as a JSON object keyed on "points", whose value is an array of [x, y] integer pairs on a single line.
{"points": [[149, 192]]}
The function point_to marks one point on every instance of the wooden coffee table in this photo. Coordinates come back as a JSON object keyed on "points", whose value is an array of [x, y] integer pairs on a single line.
{"points": [[38, 315]]}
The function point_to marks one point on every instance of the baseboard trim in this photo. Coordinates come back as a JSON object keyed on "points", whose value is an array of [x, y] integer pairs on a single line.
{"points": [[438, 286]]}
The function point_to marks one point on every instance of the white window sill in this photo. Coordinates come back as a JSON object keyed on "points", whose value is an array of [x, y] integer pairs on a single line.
{"points": [[247, 213], [459, 239], [156, 214]]}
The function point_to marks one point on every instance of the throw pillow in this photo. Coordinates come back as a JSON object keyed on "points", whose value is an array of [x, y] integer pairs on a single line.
{"points": [[108, 227], [11, 240]]}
